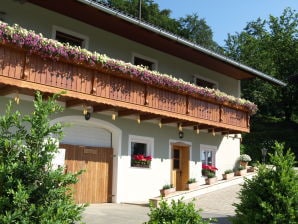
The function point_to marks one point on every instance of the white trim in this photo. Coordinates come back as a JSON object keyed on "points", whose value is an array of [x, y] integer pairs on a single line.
{"points": [[72, 33], [116, 144], [195, 76], [180, 143], [154, 61]]}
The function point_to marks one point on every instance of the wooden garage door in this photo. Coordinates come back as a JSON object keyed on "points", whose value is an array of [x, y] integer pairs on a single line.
{"points": [[95, 184]]}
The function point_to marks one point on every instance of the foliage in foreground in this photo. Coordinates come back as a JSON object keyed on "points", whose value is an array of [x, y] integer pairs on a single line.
{"points": [[271, 196], [175, 213], [31, 191]]}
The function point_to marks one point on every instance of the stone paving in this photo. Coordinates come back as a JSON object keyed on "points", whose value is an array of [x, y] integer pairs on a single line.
{"points": [[217, 204]]}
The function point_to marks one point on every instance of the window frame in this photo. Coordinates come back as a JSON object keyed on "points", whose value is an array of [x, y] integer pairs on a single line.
{"points": [[85, 43], [149, 141], [153, 61]]}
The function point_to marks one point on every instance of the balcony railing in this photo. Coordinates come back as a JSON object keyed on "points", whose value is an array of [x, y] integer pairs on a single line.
{"points": [[98, 86]]}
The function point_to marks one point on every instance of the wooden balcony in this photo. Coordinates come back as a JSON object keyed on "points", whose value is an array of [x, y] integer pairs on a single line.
{"points": [[105, 90]]}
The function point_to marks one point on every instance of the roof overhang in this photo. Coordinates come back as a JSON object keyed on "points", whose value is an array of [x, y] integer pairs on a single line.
{"points": [[113, 21]]}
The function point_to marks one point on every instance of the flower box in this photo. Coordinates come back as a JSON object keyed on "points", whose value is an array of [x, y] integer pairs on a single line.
{"points": [[227, 176], [192, 186], [244, 164], [141, 161], [241, 172], [210, 181], [166, 192]]}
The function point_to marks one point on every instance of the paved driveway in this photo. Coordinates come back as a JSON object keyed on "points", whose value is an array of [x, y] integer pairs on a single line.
{"points": [[216, 204]]}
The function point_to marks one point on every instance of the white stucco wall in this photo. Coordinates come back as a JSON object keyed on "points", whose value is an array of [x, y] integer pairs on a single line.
{"points": [[131, 184]]}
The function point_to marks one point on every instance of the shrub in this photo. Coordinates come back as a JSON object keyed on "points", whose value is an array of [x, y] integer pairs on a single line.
{"points": [[272, 195], [228, 171], [167, 186], [31, 191], [176, 213], [191, 180], [245, 158]]}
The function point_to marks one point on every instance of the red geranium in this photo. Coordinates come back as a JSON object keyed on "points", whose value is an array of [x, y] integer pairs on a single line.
{"points": [[209, 168], [141, 157]]}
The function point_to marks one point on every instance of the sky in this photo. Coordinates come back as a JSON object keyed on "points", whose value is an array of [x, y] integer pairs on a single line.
{"points": [[227, 16]]}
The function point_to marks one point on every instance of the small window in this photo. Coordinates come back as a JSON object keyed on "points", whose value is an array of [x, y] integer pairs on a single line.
{"points": [[208, 155], [149, 63], [67, 36], [141, 151], [199, 81]]}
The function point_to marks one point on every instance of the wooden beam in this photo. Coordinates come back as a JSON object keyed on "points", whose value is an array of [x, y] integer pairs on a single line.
{"points": [[123, 113], [6, 90], [145, 117], [102, 107], [73, 103], [170, 120]]}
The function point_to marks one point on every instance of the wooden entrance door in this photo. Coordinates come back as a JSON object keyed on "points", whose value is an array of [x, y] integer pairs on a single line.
{"points": [[180, 166], [95, 184]]}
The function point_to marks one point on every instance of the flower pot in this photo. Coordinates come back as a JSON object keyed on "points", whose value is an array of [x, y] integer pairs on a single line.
{"points": [[165, 192], [244, 164], [210, 181], [241, 172], [227, 176], [251, 169], [192, 186]]}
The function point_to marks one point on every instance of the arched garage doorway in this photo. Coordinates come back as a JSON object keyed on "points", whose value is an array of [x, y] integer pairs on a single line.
{"points": [[91, 146]]}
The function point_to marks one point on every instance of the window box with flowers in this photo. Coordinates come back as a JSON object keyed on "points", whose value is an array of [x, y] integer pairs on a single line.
{"points": [[141, 161], [141, 151]]}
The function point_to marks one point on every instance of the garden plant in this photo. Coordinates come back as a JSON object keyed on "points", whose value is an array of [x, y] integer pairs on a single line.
{"points": [[31, 191], [272, 195]]}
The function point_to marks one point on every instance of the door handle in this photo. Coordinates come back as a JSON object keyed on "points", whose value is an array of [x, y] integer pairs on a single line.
{"points": [[180, 173]]}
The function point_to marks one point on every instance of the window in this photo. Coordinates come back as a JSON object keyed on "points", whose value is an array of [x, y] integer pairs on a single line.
{"points": [[144, 61], [67, 36], [141, 151], [203, 82], [208, 155]]}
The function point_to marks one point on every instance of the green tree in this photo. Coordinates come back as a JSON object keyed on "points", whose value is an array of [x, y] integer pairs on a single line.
{"points": [[31, 190], [197, 31], [190, 27], [270, 46], [272, 195]]}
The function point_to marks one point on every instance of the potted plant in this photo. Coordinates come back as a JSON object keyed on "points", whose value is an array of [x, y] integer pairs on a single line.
{"points": [[211, 178], [241, 170], [244, 159], [252, 168], [191, 184], [228, 174], [167, 189]]}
